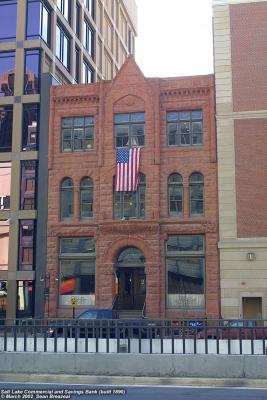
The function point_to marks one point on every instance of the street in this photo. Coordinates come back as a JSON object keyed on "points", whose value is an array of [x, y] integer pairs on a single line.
{"points": [[149, 392]]}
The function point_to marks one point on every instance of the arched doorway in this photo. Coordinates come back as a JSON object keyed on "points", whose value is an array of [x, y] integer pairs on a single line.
{"points": [[130, 283]]}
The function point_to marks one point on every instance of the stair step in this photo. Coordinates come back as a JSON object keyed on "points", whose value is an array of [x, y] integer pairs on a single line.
{"points": [[130, 314]]}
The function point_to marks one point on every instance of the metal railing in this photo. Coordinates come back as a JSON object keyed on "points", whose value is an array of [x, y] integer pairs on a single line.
{"points": [[136, 336]]}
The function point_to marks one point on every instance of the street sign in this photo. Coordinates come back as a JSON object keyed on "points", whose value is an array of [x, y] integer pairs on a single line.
{"points": [[74, 302]]}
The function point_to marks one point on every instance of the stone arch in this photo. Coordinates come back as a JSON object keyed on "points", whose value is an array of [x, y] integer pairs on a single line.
{"points": [[131, 102], [120, 244]]}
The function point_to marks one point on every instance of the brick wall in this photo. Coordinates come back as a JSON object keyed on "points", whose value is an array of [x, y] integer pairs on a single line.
{"points": [[248, 48], [130, 92], [251, 172]]}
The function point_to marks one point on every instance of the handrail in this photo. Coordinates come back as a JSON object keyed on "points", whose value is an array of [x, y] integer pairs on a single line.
{"points": [[144, 309]]}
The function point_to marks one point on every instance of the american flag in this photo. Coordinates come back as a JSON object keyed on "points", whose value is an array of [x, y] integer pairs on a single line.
{"points": [[127, 169]]}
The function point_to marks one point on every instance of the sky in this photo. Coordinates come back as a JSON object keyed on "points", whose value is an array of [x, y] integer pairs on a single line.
{"points": [[174, 37]]}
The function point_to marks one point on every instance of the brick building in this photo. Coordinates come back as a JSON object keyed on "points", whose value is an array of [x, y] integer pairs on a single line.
{"points": [[240, 33], [154, 249]]}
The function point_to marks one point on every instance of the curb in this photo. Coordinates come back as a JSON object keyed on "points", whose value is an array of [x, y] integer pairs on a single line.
{"points": [[128, 380]]}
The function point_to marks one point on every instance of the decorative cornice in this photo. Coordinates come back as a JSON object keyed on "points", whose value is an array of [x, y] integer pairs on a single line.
{"points": [[129, 228], [76, 99], [185, 92]]}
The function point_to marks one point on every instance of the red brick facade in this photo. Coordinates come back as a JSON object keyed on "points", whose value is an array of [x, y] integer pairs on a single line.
{"points": [[248, 53], [130, 91]]}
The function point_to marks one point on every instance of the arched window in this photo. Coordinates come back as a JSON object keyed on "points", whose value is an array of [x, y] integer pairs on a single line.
{"points": [[175, 186], [196, 186], [66, 198], [86, 198], [131, 204]]}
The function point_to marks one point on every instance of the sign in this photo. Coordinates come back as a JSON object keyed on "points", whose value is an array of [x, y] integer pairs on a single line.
{"points": [[74, 302]]}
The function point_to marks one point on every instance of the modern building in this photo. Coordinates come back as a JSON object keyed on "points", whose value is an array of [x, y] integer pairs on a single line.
{"points": [[44, 42], [153, 249], [240, 33]]}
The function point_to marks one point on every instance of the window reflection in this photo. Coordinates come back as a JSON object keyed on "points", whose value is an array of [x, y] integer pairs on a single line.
{"points": [[3, 298], [30, 127], [28, 185], [5, 181], [31, 77], [25, 298], [4, 241], [26, 245], [38, 20], [6, 121], [7, 72], [8, 12]]}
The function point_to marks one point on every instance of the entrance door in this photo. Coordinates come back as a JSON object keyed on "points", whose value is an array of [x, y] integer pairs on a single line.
{"points": [[252, 307], [131, 288], [131, 279]]}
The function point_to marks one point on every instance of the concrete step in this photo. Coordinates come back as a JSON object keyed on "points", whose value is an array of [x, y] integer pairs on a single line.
{"points": [[129, 314]]}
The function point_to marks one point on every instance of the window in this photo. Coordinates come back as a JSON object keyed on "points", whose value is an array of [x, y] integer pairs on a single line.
{"points": [[30, 129], [77, 270], [88, 38], [130, 41], [86, 198], [8, 12], [185, 264], [7, 72], [26, 245], [38, 20], [89, 4], [4, 243], [63, 46], [184, 128], [32, 72], [175, 195], [78, 16], [64, 7], [77, 134], [3, 298], [88, 73], [5, 185], [131, 204], [25, 299], [6, 121], [66, 199], [77, 65], [28, 185], [196, 188], [129, 129]]}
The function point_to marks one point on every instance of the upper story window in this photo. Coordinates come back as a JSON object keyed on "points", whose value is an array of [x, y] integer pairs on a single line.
{"points": [[26, 245], [7, 72], [38, 20], [77, 64], [196, 188], [63, 46], [86, 198], [8, 13], [175, 186], [65, 7], [77, 134], [78, 17], [131, 204], [88, 38], [28, 185], [6, 122], [88, 73], [66, 199], [32, 71], [90, 5], [30, 130], [129, 130], [5, 186], [185, 128]]}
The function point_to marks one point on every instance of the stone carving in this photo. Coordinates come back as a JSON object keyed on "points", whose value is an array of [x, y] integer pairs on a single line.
{"points": [[129, 228], [129, 101]]}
